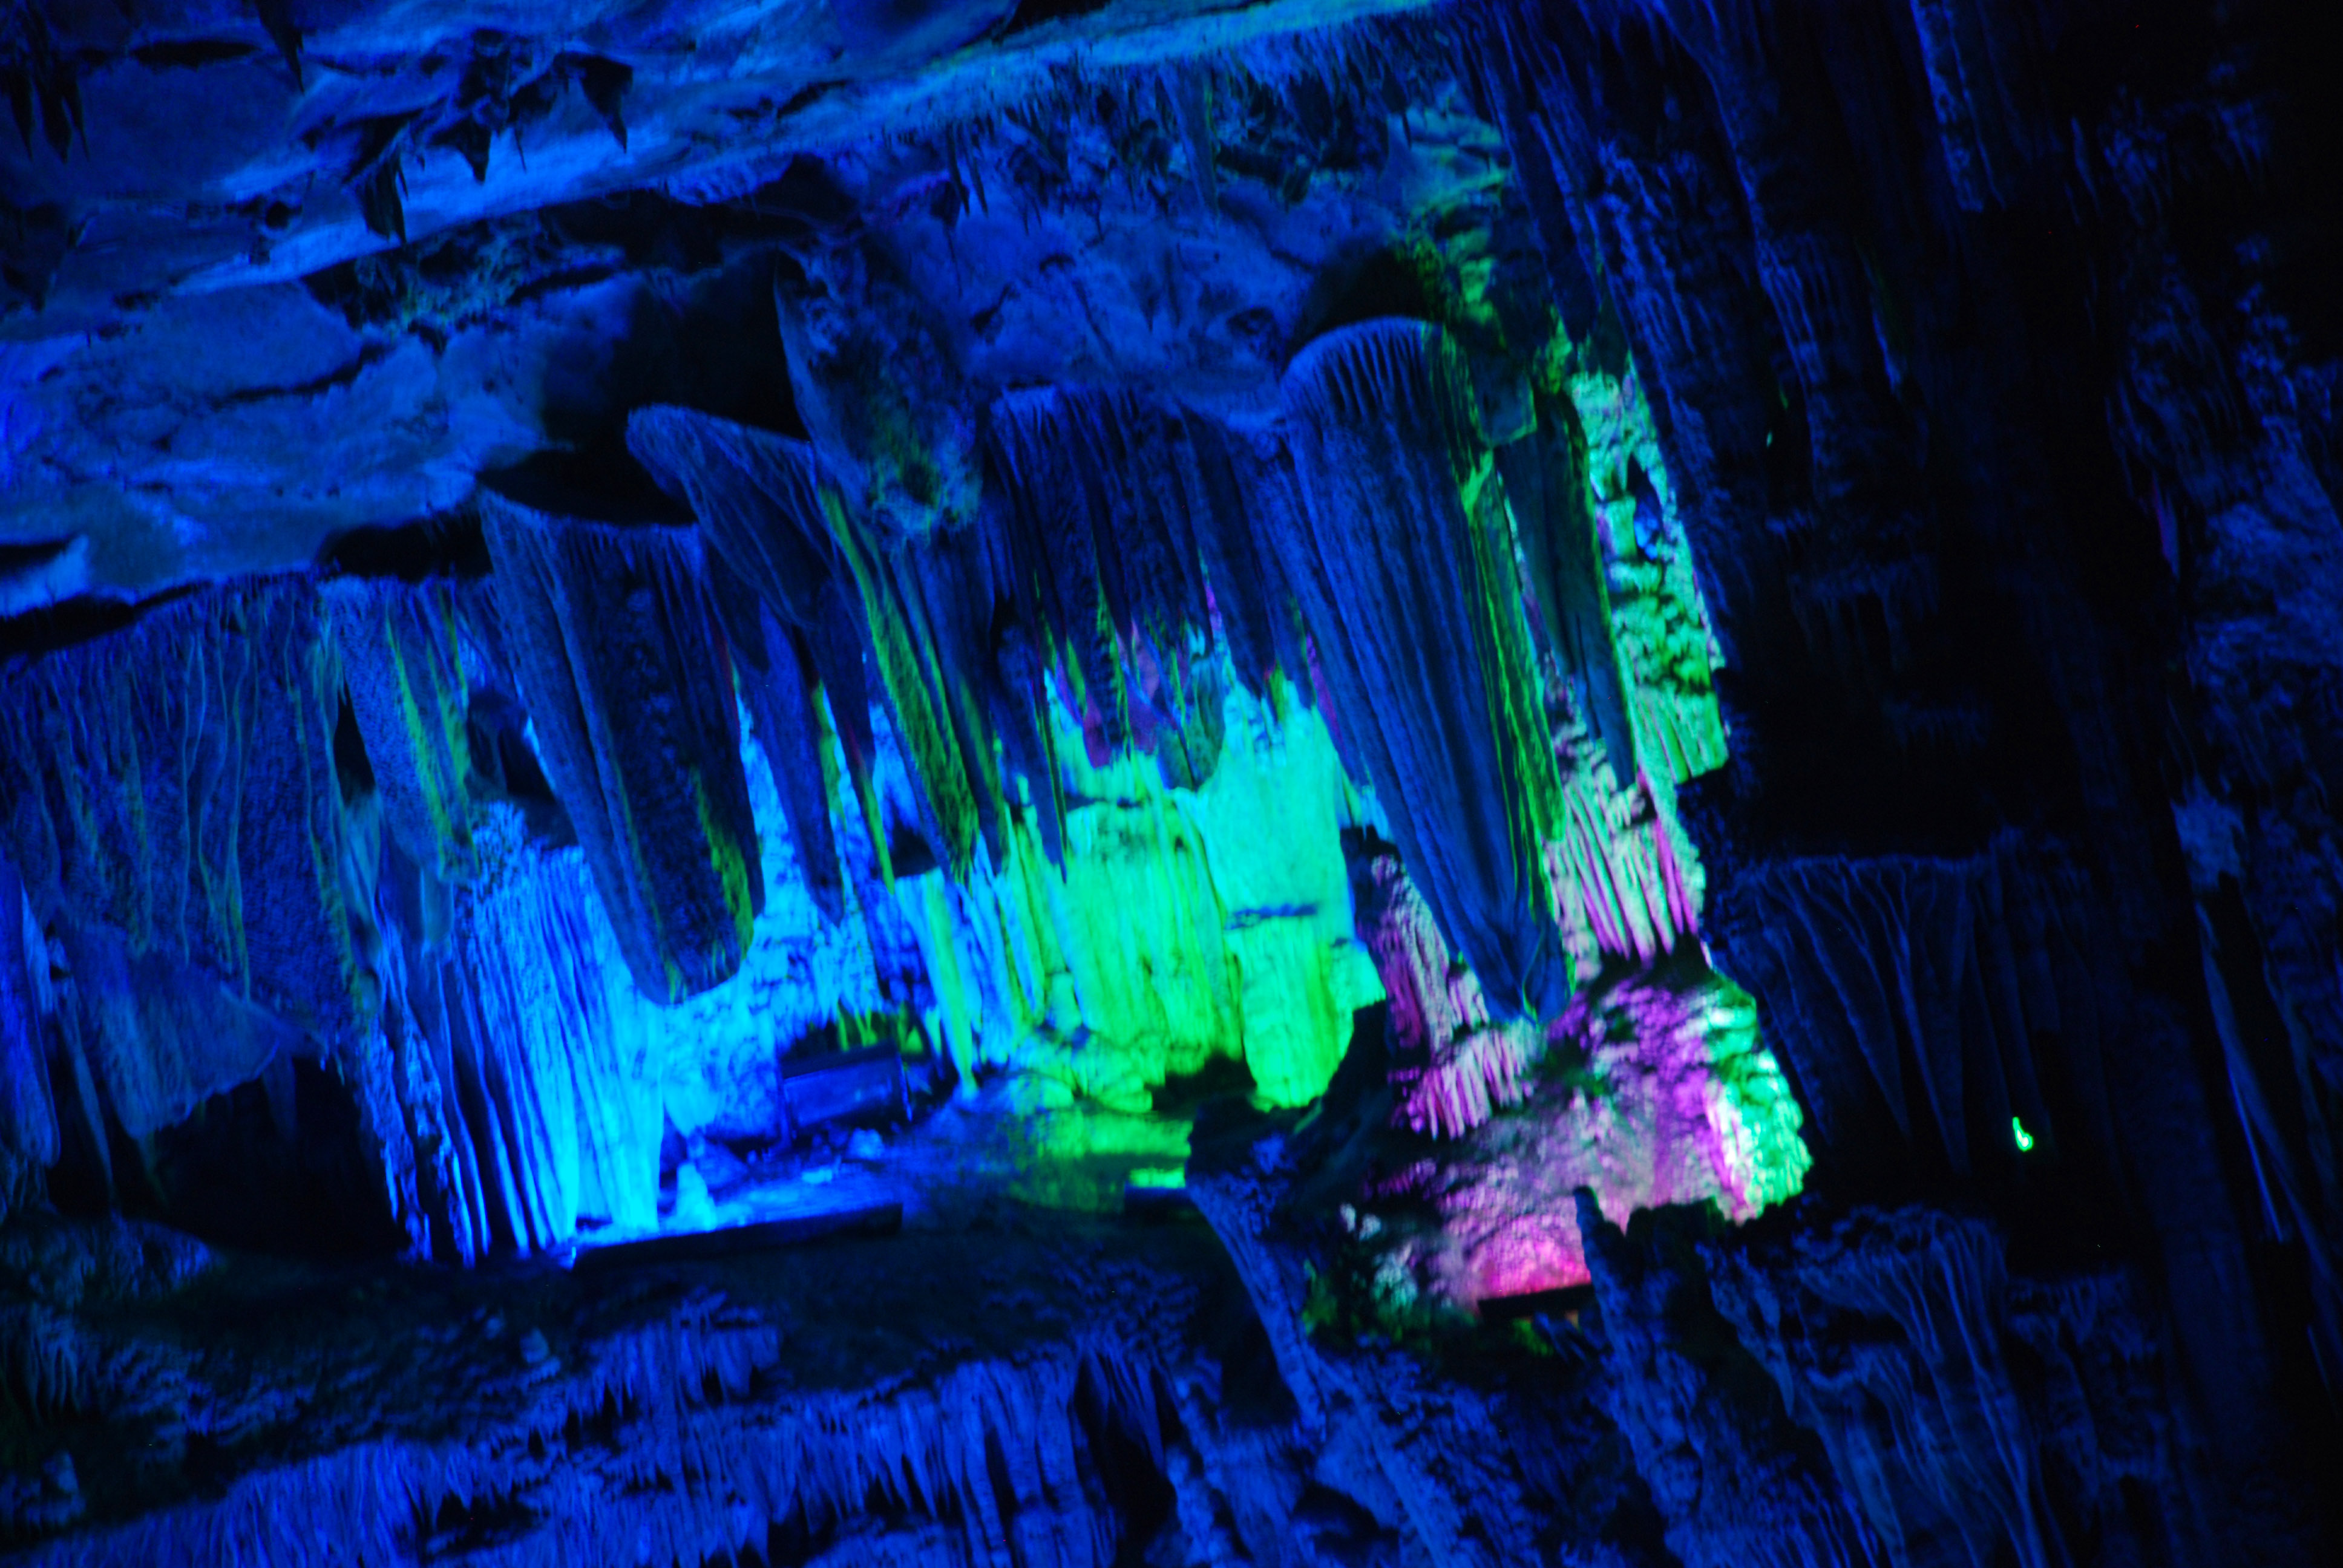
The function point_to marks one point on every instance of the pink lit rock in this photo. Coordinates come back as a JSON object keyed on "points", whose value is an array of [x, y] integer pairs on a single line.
{"points": [[1458, 1068], [1651, 1091]]}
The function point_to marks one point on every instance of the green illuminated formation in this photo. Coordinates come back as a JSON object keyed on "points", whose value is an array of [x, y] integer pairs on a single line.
{"points": [[912, 682], [1183, 925], [402, 657], [529, 1097], [1239, 782], [1126, 834], [1041, 790], [1659, 624], [1142, 778]]}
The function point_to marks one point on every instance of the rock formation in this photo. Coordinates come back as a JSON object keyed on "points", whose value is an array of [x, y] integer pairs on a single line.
{"points": [[1540, 781]]}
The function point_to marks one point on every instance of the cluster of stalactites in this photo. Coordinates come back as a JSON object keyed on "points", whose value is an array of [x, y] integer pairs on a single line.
{"points": [[1128, 550], [169, 796], [528, 1063], [806, 585], [29, 1133], [512, 1085], [217, 890], [173, 782], [790, 606], [1455, 1066], [1083, 581], [1124, 527]]}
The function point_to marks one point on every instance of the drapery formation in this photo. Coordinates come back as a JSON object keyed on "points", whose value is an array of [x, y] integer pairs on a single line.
{"points": [[1925, 1002], [1406, 570], [627, 685], [797, 632], [526, 1065], [1077, 724], [28, 1118]]}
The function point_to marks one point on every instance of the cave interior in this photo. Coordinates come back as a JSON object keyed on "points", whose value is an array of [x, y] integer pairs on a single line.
{"points": [[1141, 783]]}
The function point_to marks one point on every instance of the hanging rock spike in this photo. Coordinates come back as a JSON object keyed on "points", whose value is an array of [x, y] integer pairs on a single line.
{"points": [[630, 689]]}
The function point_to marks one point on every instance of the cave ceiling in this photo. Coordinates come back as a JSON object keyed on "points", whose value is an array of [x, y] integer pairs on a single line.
{"points": [[322, 278]]}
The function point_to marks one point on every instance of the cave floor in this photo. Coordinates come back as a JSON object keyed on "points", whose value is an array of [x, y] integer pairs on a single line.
{"points": [[530, 1372]]}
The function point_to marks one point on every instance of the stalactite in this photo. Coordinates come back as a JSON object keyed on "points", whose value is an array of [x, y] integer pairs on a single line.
{"points": [[1625, 884], [775, 513], [1457, 1066], [1097, 534], [1547, 484], [947, 780], [402, 658], [1406, 580], [1124, 541], [1923, 988], [1659, 624], [779, 686], [630, 693], [29, 1134]]}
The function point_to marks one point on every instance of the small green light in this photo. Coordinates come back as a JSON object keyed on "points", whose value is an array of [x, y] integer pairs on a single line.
{"points": [[2017, 1131]]}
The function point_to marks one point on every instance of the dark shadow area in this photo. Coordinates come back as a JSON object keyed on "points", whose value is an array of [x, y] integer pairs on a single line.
{"points": [[1032, 14], [279, 1165], [77, 620], [448, 544], [1370, 286]]}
